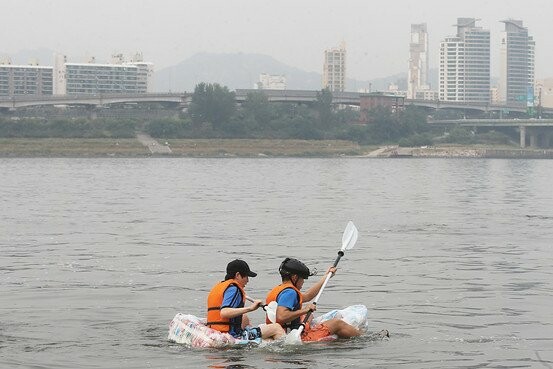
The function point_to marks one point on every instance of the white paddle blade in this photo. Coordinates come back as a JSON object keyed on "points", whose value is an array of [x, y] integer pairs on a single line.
{"points": [[294, 337], [349, 238], [271, 310]]}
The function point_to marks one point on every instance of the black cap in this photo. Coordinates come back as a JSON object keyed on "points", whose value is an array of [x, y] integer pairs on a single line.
{"points": [[239, 266]]}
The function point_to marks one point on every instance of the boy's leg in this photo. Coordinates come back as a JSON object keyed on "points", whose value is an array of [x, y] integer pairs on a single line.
{"points": [[341, 328], [245, 321], [271, 331]]}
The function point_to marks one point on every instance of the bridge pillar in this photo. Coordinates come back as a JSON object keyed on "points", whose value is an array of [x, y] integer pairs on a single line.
{"points": [[522, 136], [546, 139], [533, 138], [93, 114]]}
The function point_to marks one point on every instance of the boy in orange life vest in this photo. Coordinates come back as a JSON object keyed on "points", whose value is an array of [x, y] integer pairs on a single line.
{"points": [[290, 300], [225, 306]]}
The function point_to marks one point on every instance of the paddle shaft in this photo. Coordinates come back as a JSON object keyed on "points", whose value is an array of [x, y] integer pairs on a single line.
{"points": [[263, 306], [348, 241], [340, 254]]}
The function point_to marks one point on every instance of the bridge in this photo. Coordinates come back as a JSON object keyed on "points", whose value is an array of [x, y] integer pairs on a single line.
{"points": [[540, 131], [14, 102], [299, 96], [182, 99], [354, 98]]}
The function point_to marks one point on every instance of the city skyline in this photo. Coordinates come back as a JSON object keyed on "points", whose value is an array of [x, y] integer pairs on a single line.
{"points": [[297, 33]]}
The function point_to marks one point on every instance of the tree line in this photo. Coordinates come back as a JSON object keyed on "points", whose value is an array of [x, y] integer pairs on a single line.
{"points": [[213, 113]]}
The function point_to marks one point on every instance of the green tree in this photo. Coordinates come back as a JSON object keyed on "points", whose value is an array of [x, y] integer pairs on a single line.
{"points": [[385, 126], [323, 106], [212, 103], [413, 120], [168, 128], [460, 135], [258, 108]]}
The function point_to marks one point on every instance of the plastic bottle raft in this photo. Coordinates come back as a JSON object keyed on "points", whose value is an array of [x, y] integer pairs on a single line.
{"points": [[190, 330]]}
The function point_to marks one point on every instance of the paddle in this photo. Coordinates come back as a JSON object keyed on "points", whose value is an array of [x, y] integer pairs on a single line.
{"points": [[349, 238], [270, 309]]}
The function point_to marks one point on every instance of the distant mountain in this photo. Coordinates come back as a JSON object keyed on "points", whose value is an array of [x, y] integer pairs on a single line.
{"points": [[242, 71], [232, 70]]}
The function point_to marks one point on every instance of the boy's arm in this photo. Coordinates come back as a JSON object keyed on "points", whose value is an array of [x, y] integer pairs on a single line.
{"points": [[229, 313], [314, 290], [285, 315]]}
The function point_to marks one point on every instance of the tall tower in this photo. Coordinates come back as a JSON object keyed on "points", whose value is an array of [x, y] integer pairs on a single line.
{"points": [[465, 64], [516, 64], [418, 60], [60, 74], [334, 69]]}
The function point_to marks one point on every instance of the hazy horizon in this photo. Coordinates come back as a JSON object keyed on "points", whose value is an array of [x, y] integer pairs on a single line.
{"points": [[293, 32]]}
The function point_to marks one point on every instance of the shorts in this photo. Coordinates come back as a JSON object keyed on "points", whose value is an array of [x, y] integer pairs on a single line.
{"points": [[250, 333], [316, 333]]}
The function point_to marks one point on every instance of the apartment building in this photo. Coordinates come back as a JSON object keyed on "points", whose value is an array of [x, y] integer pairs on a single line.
{"points": [[271, 82], [25, 80], [119, 76], [334, 69]]}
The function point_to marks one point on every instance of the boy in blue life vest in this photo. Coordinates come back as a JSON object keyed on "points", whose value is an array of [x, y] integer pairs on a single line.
{"points": [[225, 306], [290, 301]]}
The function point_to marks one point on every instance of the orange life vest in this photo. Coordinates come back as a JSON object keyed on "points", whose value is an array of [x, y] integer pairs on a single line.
{"points": [[214, 302], [273, 296]]}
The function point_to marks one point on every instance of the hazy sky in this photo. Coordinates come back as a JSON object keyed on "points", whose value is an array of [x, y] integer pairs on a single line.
{"points": [[293, 31]]}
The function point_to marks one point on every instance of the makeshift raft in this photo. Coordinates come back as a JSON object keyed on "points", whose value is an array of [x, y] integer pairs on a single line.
{"points": [[191, 331]]}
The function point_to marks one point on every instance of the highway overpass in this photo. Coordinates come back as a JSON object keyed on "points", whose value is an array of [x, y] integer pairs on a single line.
{"points": [[539, 131]]}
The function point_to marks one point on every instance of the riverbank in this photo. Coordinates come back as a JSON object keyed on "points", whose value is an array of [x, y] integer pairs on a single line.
{"points": [[102, 147], [82, 147]]}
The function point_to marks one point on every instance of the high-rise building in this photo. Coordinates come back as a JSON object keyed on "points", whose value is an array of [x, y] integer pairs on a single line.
{"points": [[119, 76], [516, 64], [417, 78], [544, 92], [334, 69], [465, 64], [25, 80]]}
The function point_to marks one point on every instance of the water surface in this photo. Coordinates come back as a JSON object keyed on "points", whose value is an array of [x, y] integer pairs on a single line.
{"points": [[454, 257]]}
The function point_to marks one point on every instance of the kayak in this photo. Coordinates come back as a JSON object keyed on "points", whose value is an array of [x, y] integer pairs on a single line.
{"points": [[355, 315], [190, 330]]}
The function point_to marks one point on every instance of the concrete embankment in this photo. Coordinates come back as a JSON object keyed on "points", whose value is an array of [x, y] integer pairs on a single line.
{"points": [[523, 154], [460, 152]]}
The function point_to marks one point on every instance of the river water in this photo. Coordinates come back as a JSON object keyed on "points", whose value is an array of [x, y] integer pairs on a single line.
{"points": [[454, 257]]}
